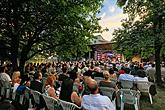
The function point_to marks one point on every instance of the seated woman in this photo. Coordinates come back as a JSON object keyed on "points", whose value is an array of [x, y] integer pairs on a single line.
{"points": [[16, 80], [49, 87], [77, 92], [69, 89], [141, 76], [15, 77], [107, 82]]}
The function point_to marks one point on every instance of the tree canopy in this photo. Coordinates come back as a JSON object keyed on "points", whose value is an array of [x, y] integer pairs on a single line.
{"points": [[29, 27], [143, 30]]}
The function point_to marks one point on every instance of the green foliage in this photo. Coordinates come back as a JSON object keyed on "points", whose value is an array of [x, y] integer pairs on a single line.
{"points": [[144, 29], [35, 26], [121, 3], [138, 30]]}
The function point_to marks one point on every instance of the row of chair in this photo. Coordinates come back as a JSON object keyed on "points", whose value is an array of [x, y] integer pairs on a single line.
{"points": [[128, 92], [126, 96], [142, 86], [25, 99], [53, 104]]}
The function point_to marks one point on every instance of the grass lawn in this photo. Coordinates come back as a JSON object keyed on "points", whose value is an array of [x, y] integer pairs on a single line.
{"points": [[158, 101]]}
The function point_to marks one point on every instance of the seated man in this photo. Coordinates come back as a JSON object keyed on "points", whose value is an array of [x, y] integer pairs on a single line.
{"points": [[126, 76], [95, 101]]}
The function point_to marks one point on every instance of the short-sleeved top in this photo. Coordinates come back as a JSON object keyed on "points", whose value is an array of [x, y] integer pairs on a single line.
{"points": [[126, 77], [96, 102]]}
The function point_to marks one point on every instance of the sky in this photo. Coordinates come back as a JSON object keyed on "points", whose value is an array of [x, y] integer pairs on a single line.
{"points": [[111, 16]]}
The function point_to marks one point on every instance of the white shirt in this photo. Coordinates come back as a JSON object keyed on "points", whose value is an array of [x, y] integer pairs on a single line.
{"points": [[97, 102], [15, 87]]}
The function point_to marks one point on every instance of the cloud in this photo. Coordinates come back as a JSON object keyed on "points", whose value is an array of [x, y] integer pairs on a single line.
{"points": [[103, 15], [111, 22], [112, 9]]}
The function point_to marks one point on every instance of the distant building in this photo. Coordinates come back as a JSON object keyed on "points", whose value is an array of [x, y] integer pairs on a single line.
{"points": [[102, 50]]}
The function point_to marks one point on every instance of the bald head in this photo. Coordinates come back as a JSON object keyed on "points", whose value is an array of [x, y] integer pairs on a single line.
{"points": [[92, 85]]}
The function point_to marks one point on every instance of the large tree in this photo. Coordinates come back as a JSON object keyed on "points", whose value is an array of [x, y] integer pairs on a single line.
{"points": [[29, 27], [144, 27]]}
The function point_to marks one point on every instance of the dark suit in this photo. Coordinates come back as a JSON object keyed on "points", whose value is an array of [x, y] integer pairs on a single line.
{"points": [[36, 85]]}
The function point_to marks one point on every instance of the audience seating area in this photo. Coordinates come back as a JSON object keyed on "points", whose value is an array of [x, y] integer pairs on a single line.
{"points": [[26, 99], [124, 92]]}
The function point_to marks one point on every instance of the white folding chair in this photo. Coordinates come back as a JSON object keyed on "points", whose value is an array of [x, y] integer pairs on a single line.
{"points": [[27, 97], [13, 95], [128, 96], [98, 79], [68, 105], [5, 88], [51, 103], [144, 86], [126, 84], [151, 74], [36, 96], [110, 92], [18, 97], [114, 80]]}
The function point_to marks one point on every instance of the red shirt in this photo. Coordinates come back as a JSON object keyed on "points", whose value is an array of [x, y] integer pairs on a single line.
{"points": [[121, 71]]}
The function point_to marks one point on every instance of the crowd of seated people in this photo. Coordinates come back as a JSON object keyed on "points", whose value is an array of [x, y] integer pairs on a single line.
{"points": [[74, 81]]}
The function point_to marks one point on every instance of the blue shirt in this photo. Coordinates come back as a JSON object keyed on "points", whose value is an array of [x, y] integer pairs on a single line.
{"points": [[126, 77], [97, 102]]}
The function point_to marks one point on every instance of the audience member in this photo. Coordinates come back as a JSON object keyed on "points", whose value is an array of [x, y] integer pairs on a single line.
{"points": [[36, 84], [112, 74], [95, 101], [49, 87], [107, 82], [16, 77], [141, 76], [3, 75], [66, 88], [126, 76]]}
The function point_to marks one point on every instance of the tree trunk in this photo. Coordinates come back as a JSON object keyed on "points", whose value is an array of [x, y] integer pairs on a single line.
{"points": [[24, 56], [14, 60], [158, 67], [14, 51], [158, 46], [21, 66]]}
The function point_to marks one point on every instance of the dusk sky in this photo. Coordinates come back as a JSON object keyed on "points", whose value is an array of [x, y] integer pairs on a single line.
{"points": [[111, 16]]}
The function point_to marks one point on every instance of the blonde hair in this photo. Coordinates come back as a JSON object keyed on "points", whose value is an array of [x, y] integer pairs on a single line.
{"points": [[16, 75], [106, 74]]}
